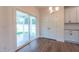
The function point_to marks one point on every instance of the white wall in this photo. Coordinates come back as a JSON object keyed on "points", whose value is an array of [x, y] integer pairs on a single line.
{"points": [[52, 26], [8, 26], [7, 38], [4, 29]]}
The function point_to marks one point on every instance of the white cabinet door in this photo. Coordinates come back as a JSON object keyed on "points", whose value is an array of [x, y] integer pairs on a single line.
{"points": [[70, 15], [71, 36], [75, 36], [77, 14], [67, 14], [68, 35]]}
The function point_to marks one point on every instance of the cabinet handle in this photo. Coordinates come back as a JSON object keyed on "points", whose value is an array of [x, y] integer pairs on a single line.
{"points": [[69, 21], [70, 33]]}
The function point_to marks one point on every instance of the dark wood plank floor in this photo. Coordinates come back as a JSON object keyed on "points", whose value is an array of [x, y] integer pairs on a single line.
{"points": [[45, 45]]}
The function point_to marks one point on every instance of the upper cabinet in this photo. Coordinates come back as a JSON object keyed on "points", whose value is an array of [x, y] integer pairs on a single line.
{"points": [[70, 15], [77, 14]]}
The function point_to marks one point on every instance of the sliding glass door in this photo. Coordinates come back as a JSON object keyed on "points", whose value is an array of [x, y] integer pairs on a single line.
{"points": [[22, 32], [26, 28]]}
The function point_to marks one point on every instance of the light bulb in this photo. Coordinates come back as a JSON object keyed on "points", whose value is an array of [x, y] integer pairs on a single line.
{"points": [[50, 8], [57, 8], [51, 11]]}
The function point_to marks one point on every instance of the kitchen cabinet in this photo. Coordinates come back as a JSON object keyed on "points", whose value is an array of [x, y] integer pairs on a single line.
{"points": [[70, 15], [75, 36], [77, 14], [68, 35], [72, 36]]}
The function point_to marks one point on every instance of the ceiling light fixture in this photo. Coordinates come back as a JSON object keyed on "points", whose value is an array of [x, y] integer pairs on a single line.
{"points": [[53, 9], [57, 8]]}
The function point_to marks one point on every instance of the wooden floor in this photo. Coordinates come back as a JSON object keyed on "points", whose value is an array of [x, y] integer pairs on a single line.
{"points": [[45, 45]]}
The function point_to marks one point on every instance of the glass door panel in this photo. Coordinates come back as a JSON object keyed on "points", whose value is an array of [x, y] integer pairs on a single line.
{"points": [[26, 30], [32, 28], [22, 25]]}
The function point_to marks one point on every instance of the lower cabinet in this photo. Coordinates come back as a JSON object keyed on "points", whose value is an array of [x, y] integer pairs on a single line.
{"points": [[71, 36]]}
